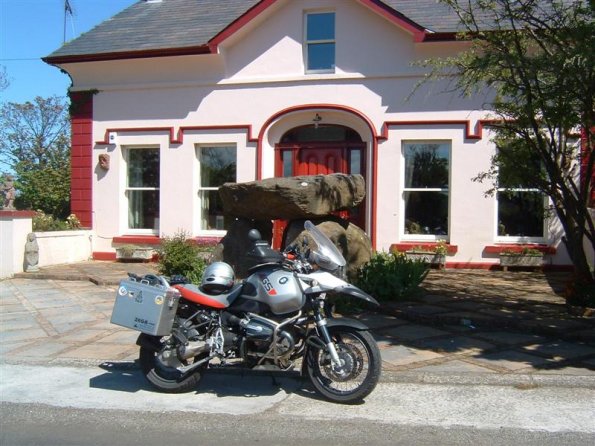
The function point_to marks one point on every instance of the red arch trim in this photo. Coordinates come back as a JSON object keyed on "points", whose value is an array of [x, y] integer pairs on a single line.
{"points": [[333, 107]]}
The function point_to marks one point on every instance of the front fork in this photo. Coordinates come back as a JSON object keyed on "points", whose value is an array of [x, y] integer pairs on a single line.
{"points": [[320, 321]]}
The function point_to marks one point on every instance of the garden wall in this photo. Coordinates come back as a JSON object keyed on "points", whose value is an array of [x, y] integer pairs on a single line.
{"points": [[57, 247]]}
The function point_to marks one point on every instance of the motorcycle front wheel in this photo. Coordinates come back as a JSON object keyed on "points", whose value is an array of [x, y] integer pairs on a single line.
{"points": [[359, 371], [162, 373]]}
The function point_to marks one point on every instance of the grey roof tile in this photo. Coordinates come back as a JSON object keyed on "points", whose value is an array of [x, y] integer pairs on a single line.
{"points": [[187, 24]]}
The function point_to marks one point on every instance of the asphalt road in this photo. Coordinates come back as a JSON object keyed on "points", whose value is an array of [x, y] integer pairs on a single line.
{"points": [[71, 405], [33, 424]]}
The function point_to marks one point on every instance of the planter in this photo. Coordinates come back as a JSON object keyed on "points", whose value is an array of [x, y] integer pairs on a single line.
{"points": [[515, 260], [427, 257], [134, 253]]}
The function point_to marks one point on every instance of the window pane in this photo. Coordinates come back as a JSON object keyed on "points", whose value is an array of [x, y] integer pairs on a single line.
{"points": [[426, 213], [212, 211], [287, 163], [520, 214], [426, 165], [143, 168], [355, 161], [143, 209], [217, 166], [321, 56], [321, 26]]}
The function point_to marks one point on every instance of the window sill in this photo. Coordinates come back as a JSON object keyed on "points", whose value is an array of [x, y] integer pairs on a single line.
{"points": [[427, 246], [138, 239], [519, 247]]}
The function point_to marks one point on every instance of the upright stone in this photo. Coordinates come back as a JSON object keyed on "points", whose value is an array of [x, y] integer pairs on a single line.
{"points": [[352, 241]]}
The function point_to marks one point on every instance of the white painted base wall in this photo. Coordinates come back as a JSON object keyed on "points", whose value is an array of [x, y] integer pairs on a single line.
{"points": [[59, 247]]}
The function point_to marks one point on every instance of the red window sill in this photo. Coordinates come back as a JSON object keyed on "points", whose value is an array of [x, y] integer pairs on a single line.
{"points": [[154, 240], [498, 248]]}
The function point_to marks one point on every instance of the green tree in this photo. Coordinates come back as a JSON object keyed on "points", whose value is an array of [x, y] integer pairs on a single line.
{"points": [[537, 58], [35, 145]]}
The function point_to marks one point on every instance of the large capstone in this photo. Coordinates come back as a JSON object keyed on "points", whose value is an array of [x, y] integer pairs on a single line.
{"points": [[293, 197], [352, 241]]}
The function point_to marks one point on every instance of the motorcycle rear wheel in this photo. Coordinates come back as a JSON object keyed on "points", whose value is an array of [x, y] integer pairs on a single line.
{"points": [[360, 371], [164, 377]]}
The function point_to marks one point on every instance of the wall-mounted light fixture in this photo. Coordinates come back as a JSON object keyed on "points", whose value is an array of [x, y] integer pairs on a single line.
{"points": [[316, 120]]}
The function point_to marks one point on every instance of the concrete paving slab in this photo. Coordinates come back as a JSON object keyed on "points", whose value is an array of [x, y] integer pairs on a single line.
{"points": [[45, 350], [22, 335], [454, 366], [102, 352], [377, 321], [508, 337], [560, 349], [410, 332], [459, 345], [511, 360], [402, 355], [125, 337]]}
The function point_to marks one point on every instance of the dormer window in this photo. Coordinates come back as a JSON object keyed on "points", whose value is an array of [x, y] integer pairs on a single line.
{"points": [[319, 44]]}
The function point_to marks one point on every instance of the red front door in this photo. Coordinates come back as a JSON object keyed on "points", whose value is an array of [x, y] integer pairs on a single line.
{"points": [[320, 161]]}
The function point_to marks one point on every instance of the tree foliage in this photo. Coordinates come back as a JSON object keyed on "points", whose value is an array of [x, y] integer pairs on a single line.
{"points": [[537, 59], [35, 146]]}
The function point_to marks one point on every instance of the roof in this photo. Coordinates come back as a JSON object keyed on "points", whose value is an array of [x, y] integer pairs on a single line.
{"points": [[152, 28]]}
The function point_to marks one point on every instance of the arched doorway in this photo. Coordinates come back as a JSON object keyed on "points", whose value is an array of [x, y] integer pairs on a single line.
{"points": [[321, 149]]}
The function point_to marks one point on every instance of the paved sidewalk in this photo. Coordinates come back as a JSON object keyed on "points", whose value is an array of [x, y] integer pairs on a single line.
{"points": [[509, 327]]}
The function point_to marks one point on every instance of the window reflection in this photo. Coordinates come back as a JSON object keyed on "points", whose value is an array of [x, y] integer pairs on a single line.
{"points": [[217, 166], [426, 194], [143, 189]]}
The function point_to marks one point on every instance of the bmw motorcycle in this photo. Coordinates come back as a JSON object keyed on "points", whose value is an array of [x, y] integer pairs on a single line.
{"points": [[277, 318]]}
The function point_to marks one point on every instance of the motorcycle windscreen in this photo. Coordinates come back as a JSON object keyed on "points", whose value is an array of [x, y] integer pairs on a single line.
{"points": [[325, 247]]}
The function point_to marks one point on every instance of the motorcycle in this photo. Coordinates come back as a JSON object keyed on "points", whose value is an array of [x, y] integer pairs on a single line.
{"points": [[276, 318]]}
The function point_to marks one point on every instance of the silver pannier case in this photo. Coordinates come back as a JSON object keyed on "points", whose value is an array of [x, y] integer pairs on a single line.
{"points": [[145, 307]]}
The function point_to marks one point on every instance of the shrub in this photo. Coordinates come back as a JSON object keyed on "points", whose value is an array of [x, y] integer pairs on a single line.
{"points": [[43, 222], [391, 276], [179, 255]]}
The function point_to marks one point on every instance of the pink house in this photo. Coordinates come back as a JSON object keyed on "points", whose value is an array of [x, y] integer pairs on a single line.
{"points": [[172, 98]]}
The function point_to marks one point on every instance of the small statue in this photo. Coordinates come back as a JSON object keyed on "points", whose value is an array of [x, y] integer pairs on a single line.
{"points": [[104, 161], [9, 192], [31, 253]]}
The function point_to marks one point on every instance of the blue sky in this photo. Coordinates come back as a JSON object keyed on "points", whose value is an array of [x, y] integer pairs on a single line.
{"points": [[31, 29]]}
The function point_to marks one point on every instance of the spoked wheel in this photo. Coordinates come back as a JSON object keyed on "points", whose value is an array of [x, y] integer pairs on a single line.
{"points": [[358, 373], [160, 370]]}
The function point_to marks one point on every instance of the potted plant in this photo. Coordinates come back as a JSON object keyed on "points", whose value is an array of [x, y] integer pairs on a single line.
{"points": [[435, 255], [133, 252], [526, 257]]}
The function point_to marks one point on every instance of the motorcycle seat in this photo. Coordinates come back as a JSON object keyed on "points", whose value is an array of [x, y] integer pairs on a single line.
{"points": [[193, 293]]}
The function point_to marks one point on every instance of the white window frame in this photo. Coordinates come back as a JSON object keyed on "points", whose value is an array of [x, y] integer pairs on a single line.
{"points": [[307, 42], [404, 189], [200, 188], [126, 155]]}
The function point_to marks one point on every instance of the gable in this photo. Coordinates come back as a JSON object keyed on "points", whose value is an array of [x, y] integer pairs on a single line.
{"points": [[273, 48]]}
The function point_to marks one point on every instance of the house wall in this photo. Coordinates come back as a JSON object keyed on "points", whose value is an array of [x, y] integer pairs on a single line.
{"points": [[255, 89]]}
